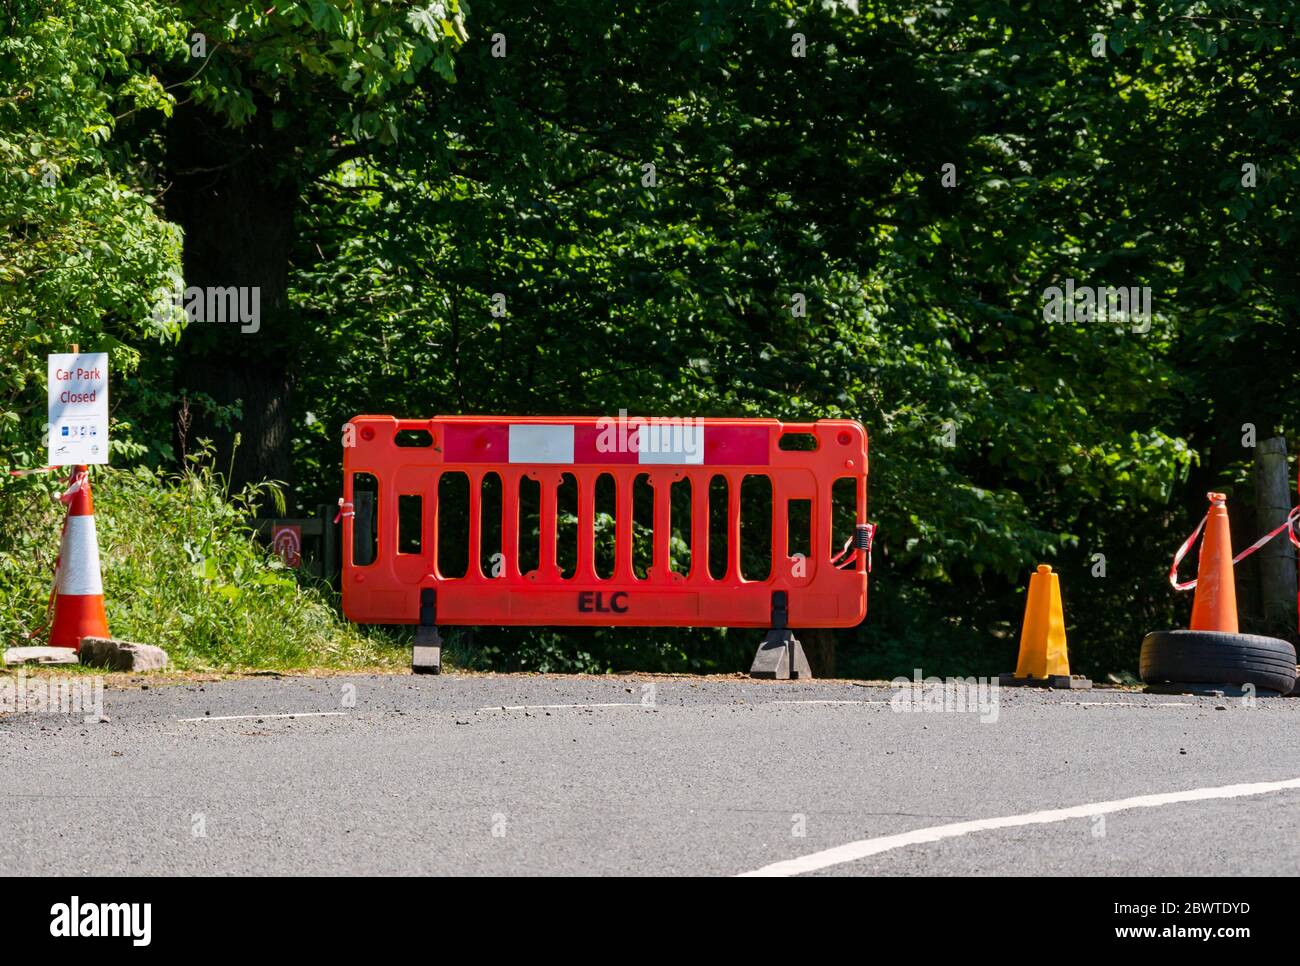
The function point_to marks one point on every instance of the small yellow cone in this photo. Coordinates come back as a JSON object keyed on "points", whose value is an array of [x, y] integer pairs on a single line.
{"points": [[1042, 639], [1043, 658]]}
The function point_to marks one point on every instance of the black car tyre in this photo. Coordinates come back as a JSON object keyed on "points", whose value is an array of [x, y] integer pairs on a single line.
{"points": [[1210, 657]]}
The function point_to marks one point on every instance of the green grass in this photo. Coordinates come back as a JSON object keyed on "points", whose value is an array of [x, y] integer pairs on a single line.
{"points": [[183, 570]]}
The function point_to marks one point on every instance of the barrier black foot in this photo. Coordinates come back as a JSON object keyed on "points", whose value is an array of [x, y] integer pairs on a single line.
{"points": [[426, 656], [780, 657]]}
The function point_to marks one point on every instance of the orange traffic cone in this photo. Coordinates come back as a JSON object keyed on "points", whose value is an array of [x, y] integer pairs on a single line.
{"points": [[79, 593], [1043, 659], [1213, 656], [1214, 607]]}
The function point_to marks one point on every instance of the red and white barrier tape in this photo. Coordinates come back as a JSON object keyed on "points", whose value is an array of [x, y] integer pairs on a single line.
{"points": [[35, 469], [844, 550], [345, 510], [1290, 524], [77, 484]]}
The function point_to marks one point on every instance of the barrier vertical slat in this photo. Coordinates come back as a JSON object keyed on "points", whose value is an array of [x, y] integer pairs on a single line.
{"points": [[429, 522], [699, 526], [510, 520], [733, 525], [823, 511], [663, 525], [623, 530], [475, 570], [388, 542], [346, 556], [586, 525], [548, 497], [780, 530], [428, 526]]}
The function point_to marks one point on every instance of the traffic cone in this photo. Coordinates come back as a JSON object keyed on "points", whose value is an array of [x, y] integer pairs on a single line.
{"points": [[79, 592], [1214, 608], [1043, 659], [1212, 656]]}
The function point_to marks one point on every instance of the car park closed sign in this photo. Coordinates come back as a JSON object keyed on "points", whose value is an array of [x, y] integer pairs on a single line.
{"points": [[78, 408]]}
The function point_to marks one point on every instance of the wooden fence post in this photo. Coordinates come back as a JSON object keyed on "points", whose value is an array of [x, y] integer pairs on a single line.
{"points": [[329, 544], [363, 527], [1277, 561]]}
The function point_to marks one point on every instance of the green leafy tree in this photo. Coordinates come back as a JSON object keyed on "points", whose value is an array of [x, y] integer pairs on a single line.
{"points": [[82, 245], [277, 96]]}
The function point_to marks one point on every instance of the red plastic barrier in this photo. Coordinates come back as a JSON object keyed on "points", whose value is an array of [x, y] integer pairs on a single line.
{"points": [[411, 460]]}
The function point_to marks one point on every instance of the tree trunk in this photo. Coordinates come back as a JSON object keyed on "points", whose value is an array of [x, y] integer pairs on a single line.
{"points": [[232, 193], [819, 647], [1241, 521], [1277, 562]]}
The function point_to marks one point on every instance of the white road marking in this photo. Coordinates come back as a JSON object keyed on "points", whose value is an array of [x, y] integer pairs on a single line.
{"points": [[885, 843], [1131, 704], [245, 717], [637, 704], [822, 701], [562, 707]]}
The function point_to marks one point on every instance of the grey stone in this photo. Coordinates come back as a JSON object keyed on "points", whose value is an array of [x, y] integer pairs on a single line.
{"points": [[40, 655], [115, 655]]}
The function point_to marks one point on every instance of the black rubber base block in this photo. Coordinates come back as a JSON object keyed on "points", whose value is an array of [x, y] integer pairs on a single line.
{"points": [[1059, 681]]}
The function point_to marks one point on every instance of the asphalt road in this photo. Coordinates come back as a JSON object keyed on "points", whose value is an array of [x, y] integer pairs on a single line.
{"points": [[498, 775]]}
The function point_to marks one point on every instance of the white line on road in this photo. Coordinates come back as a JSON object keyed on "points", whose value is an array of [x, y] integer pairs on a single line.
{"points": [[638, 704], [885, 843], [562, 707], [244, 717], [823, 701], [1132, 704]]}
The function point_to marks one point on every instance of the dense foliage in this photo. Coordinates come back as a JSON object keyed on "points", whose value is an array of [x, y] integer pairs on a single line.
{"points": [[396, 175]]}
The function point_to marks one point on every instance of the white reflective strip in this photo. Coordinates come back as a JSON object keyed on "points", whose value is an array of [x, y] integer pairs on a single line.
{"points": [[671, 441], [79, 558], [541, 444]]}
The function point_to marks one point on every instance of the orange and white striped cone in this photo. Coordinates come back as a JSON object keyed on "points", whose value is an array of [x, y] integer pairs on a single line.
{"points": [[79, 591], [1214, 608]]}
